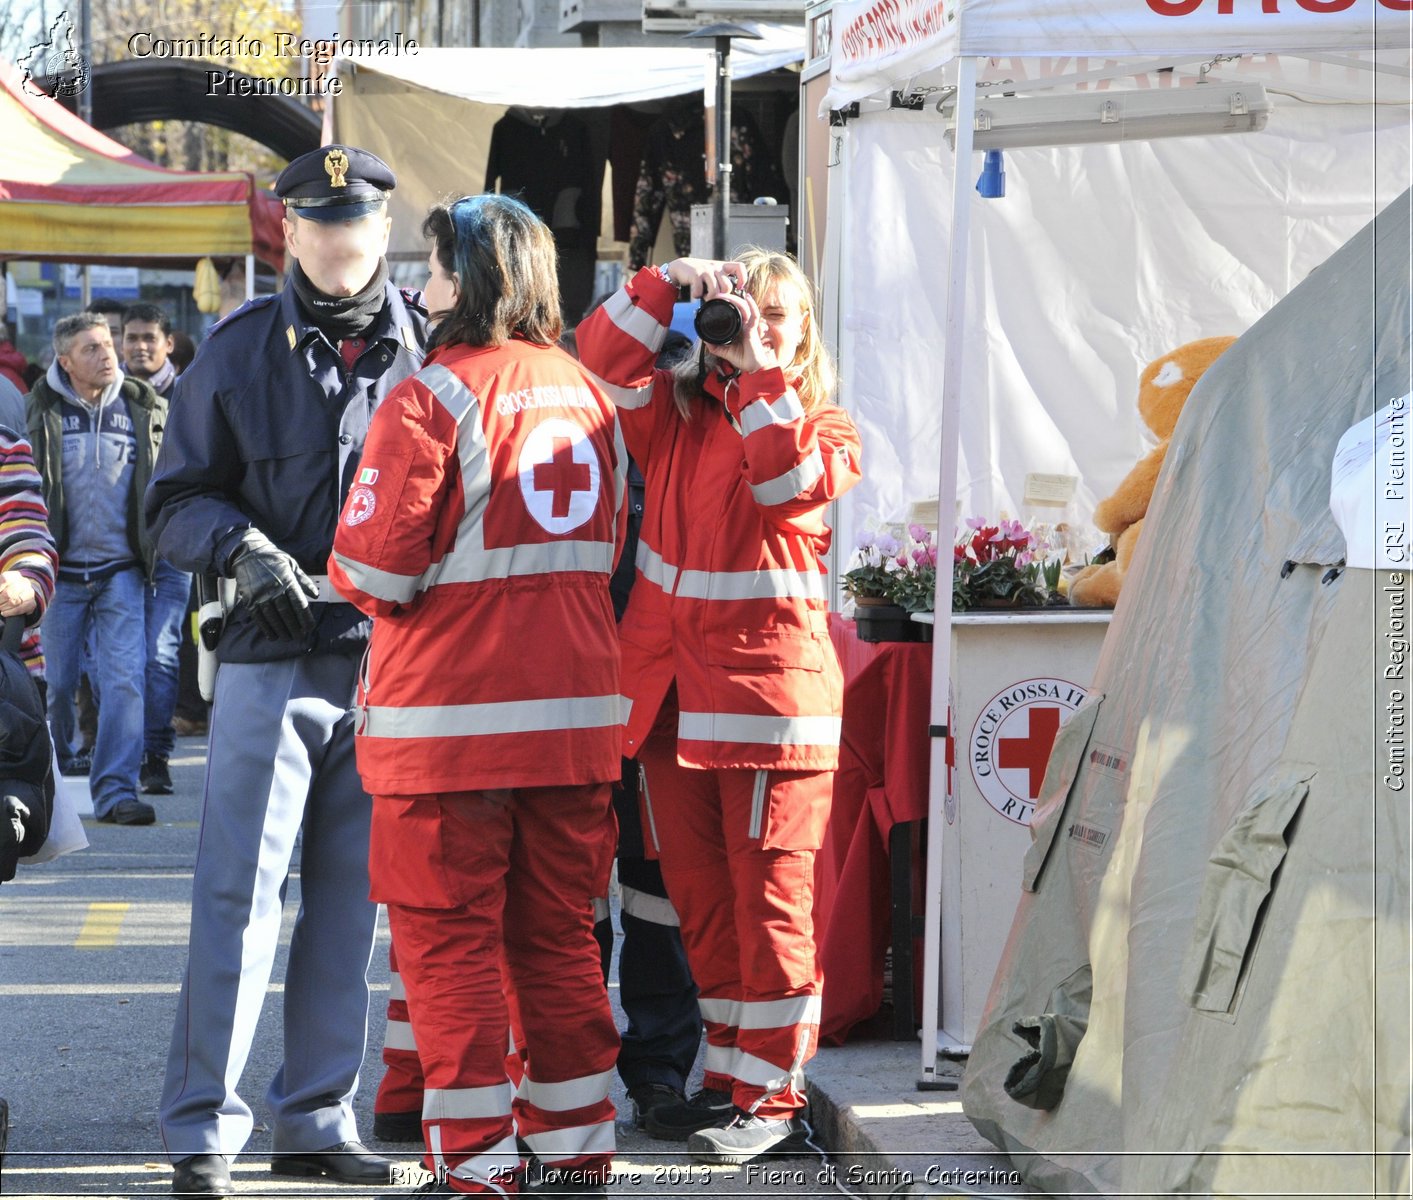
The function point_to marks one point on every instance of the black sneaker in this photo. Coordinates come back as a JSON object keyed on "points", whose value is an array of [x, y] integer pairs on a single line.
{"points": [[130, 812], [647, 1096], [80, 764], [677, 1122], [153, 777], [746, 1137]]}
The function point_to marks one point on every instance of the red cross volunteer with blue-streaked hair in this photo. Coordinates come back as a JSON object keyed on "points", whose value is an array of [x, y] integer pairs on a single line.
{"points": [[734, 687], [480, 534]]}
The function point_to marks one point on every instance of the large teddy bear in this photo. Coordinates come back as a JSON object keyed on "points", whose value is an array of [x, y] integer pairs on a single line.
{"points": [[1162, 391]]}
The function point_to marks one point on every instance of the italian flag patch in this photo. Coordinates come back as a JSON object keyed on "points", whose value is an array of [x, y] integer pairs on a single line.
{"points": [[368, 475]]}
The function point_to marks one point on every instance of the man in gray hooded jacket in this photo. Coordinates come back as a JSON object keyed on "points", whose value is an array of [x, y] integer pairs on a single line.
{"points": [[95, 435]]}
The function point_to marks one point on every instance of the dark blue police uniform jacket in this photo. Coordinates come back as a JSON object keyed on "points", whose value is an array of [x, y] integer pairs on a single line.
{"points": [[266, 428]]}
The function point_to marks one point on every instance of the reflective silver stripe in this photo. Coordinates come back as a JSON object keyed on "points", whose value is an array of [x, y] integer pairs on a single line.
{"points": [[647, 803], [491, 1168], [396, 990], [636, 322], [484, 720], [655, 910], [625, 709], [780, 1014], [382, 585], [620, 469], [600, 909], [768, 731], [505, 562], [567, 1094], [623, 397], [759, 1073], [768, 583], [556, 1145], [654, 568], [792, 483], [759, 414], [758, 793], [720, 1060], [399, 1036], [466, 1104], [720, 1012]]}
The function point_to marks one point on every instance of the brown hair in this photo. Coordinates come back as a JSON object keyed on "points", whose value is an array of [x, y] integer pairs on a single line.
{"points": [[503, 259], [812, 364]]}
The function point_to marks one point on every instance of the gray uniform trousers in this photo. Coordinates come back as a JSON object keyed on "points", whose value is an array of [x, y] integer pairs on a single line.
{"points": [[280, 761]]}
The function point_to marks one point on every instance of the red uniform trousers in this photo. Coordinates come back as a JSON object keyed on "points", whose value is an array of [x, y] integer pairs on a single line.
{"points": [[737, 851], [401, 1088], [472, 879]]}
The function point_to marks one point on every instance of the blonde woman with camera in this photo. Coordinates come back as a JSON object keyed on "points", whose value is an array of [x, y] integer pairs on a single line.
{"points": [[733, 684]]}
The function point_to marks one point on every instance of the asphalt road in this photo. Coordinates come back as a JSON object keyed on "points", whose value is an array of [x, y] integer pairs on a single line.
{"points": [[92, 949]]}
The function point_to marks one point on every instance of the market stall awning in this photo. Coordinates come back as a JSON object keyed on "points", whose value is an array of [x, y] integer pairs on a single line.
{"points": [[878, 43], [71, 194]]}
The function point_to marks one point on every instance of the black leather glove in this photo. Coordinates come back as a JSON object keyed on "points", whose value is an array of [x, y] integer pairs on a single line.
{"points": [[271, 585]]}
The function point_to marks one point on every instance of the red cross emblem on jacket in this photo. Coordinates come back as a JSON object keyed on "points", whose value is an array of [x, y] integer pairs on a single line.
{"points": [[559, 475]]}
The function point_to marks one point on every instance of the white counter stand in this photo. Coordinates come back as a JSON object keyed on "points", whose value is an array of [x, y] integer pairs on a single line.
{"points": [[1016, 677]]}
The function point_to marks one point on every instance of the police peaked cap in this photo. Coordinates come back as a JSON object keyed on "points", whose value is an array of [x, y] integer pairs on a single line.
{"points": [[335, 183]]}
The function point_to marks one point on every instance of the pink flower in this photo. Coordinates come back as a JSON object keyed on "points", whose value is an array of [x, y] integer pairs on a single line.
{"points": [[1023, 559], [919, 533]]}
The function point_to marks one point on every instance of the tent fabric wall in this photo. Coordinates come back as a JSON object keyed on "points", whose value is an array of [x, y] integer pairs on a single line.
{"points": [[69, 193], [1096, 261], [1244, 713]]}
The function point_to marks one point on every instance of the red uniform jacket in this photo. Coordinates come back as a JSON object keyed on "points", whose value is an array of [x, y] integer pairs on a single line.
{"points": [[731, 598], [480, 532]]}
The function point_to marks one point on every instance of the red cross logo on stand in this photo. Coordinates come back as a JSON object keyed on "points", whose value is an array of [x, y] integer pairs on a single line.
{"points": [[559, 475], [1031, 753], [562, 476]]}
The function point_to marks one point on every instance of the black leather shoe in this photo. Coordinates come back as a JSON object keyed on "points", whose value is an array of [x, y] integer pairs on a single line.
{"points": [[398, 1126], [202, 1175], [348, 1162]]}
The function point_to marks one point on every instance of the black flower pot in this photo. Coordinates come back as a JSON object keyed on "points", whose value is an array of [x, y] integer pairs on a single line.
{"points": [[885, 623]]}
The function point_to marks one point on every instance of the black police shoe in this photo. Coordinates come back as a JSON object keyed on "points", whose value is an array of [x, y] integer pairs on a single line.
{"points": [[153, 777], [647, 1096], [202, 1175], [398, 1126], [677, 1122], [348, 1162], [131, 811], [80, 764]]}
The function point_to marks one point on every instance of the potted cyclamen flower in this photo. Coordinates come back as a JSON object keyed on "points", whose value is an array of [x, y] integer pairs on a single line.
{"points": [[889, 580], [997, 566]]}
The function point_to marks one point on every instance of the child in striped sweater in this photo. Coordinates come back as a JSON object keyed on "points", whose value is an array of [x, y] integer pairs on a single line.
{"points": [[28, 558]]}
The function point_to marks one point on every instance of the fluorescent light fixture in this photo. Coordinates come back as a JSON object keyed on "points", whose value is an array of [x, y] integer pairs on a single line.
{"points": [[1008, 122]]}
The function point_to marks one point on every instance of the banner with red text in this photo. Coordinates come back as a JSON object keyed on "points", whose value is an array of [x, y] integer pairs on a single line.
{"points": [[879, 44]]}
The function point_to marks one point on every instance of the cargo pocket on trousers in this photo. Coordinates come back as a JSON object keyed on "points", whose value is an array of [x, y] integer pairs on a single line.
{"points": [[424, 853], [1066, 758], [1241, 878], [790, 810]]}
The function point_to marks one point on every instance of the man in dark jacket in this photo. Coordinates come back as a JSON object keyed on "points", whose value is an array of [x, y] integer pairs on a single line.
{"points": [[95, 435]]}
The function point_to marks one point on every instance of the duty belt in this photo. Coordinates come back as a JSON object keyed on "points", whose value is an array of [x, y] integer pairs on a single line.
{"points": [[327, 593]]}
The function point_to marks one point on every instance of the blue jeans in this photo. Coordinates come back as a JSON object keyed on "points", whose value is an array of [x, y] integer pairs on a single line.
{"points": [[166, 611], [114, 608]]}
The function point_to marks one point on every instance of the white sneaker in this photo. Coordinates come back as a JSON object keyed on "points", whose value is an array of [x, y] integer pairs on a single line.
{"points": [[746, 1137]]}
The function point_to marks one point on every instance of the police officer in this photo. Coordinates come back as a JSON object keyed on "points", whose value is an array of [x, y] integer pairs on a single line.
{"points": [[264, 442]]}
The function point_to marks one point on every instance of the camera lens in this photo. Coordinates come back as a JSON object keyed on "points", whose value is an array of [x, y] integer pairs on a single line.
{"points": [[718, 322]]}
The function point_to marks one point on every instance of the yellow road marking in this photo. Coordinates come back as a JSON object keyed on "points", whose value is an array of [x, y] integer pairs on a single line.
{"points": [[101, 926]]}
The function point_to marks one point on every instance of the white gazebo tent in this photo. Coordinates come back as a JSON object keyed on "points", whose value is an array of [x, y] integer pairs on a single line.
{"points": [[1100, 258]]}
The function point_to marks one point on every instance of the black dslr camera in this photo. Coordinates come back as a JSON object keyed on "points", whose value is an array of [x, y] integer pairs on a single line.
{"points": [[718, 321]]}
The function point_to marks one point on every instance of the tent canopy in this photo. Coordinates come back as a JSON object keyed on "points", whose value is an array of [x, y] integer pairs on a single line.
{"points": [[71, 194], [879, 44], [402, 108]]}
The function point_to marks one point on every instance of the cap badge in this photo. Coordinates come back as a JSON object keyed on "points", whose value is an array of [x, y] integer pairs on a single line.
{"points": [[336, 164]]}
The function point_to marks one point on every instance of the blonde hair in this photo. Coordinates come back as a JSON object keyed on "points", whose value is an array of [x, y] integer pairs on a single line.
{"points": [[812, 364]]}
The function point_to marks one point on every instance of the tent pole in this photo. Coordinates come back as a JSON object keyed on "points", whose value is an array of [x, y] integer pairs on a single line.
{"points": [[952, 363], [250, 277]]}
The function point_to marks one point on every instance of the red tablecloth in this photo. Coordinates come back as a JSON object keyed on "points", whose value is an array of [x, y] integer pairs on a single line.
{"points": [[882, 780]]}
